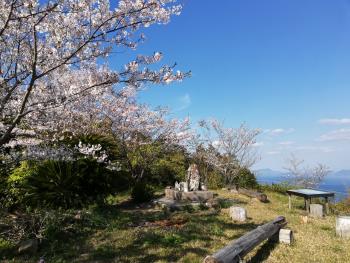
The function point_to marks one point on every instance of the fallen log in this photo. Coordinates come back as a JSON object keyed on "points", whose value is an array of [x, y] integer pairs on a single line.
{"points": [[235, 251], [251, 193]]}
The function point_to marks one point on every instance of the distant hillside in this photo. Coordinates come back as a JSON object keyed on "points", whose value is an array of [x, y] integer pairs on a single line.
{"points": [[341, 173], [269, 173]]}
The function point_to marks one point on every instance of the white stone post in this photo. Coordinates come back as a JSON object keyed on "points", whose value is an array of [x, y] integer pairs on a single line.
{"points": [[316, 210], [285, 236], [343, 226], [238, 213]]}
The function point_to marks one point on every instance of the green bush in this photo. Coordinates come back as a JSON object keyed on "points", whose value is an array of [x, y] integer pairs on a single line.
{"points": [[214, 180], [16, 181], [279, 188], [246, 179], [142, 192], [168, 169], [342, 207], [58, 184], [5, 168]]}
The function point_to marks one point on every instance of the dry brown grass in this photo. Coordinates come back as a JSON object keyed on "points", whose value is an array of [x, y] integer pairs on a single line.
{"points": [[315, 241]]}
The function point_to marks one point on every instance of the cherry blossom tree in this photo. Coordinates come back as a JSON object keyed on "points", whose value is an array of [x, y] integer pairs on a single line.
{"points": [[54, 61], [304, 176], [228, 149], [144, 134]]}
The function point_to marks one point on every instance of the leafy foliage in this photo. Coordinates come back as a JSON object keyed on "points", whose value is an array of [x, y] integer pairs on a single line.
{"points": [[170, 168], [215, 180], [61, 184], [342, 207], [246, 179], [142, 192], [15, 182], [279, 188]]}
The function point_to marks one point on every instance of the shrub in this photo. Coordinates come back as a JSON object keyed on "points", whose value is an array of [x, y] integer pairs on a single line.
{"points": [[142, 192], [168, 169], [279, 188], [15, 182], [214, 180], [58, 184], [6, 167], [342, 207], [246, 179], [6, 247]]}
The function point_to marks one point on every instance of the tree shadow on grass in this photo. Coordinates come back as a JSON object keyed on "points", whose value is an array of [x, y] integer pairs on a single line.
{"points": [[100, 236], [264, 251], [144, 248], [173, 242], [228, 202]]}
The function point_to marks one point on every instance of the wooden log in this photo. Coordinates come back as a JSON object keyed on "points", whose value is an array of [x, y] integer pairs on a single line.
{"points": [[316, 210], [235, 251], [343, 226], [251, 193]]}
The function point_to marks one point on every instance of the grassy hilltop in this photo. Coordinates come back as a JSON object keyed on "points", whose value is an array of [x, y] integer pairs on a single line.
{"points": [[123, 232]]}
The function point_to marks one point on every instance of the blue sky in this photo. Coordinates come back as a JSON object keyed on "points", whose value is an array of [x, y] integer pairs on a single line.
{"points": [[281, 66]]}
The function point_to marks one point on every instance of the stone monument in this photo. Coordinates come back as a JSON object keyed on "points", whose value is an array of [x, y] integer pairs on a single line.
{"points": [[193, 178], [191, 190]]}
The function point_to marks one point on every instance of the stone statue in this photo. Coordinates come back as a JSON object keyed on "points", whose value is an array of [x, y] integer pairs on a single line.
{"points": [[177, 186], [193, 177], [182, 186], [192, 182]]}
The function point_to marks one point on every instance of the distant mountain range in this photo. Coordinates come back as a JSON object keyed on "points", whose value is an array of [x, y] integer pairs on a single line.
{"points": [[274, 173], [269, 172], [341, 173], [335, 181]]}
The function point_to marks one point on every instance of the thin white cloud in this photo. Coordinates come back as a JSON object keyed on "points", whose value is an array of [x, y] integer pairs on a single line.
{"points": [[334, 121], [279, 131], [323, 149], [286, 143], [184, 102], [336, 135]]}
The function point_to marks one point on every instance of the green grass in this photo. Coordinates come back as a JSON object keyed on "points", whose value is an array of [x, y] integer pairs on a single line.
{"points": [[118, 233]]}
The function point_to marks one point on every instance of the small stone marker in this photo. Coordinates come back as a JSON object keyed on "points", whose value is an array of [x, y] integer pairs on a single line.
{"points": [[343, 226], [316, 210], [185, 187], [238, 213], [304, 219], [285, 236]]}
